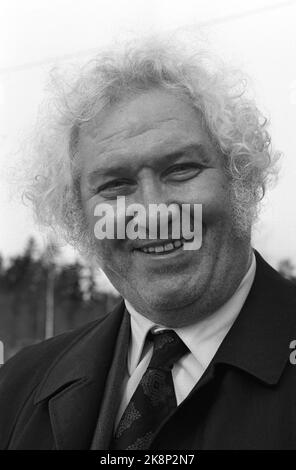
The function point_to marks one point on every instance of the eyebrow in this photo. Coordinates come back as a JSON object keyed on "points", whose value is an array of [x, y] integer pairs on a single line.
{"points": [[117, 169]]}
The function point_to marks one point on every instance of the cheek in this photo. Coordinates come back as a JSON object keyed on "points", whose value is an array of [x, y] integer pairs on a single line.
{"points": [[110, 258], [213, 192], [217, 207], [104, 250], [88, 208]]}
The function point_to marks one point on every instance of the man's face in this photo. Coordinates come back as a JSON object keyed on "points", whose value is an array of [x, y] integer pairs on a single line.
{"points": [[153, 148]]}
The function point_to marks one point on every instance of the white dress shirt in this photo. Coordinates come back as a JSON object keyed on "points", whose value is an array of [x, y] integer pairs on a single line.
{"points": [[202, 339]]}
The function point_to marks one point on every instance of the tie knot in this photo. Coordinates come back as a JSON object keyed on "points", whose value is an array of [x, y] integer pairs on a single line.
{"points": [[168, 348]]}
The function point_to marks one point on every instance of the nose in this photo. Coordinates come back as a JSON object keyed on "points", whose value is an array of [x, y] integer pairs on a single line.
{"points": [[153, 192]]}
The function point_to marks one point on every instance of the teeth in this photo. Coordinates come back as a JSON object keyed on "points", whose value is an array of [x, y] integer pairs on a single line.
{"points": [[177, 243], [163, 248], [168, 246]]}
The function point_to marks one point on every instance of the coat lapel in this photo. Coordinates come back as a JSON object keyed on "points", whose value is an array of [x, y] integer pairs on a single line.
{"points": [[258, 341], [75, 385], [112, 395]]}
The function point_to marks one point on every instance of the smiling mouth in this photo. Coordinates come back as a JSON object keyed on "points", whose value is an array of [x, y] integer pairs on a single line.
{"points": [[163, 248]]}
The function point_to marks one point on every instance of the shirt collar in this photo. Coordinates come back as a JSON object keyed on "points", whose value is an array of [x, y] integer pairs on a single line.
{"points": [[202, 338], [140, 326]]}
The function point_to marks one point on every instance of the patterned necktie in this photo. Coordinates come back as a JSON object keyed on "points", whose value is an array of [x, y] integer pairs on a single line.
{"points": [[154, 398]]}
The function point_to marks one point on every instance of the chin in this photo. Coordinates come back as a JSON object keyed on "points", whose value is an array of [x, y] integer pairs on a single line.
{"points": [[170, 299]]}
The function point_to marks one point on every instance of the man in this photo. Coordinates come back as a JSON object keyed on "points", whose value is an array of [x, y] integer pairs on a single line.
{"points": [[196, 356]]}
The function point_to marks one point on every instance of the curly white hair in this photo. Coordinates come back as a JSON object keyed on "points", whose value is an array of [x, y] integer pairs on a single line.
{"points": [[236, 126]]}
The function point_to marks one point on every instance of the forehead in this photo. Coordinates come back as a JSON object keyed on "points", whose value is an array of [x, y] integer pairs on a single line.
{"points": [[141, 126]]}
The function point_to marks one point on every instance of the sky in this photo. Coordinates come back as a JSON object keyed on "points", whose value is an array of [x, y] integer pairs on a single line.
{"points": [[257, 36]]}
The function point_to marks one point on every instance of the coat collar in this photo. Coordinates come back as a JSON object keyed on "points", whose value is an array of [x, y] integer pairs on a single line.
{"points": [[75, 383], [259, 340], [82, 358]]}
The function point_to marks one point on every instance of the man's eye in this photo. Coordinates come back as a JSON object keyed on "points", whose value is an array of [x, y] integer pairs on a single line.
{"points": [[183, 172], [114, 187]]}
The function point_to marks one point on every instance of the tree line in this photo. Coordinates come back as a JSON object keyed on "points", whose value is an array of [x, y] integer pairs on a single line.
{"points": [[40, 297]]}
